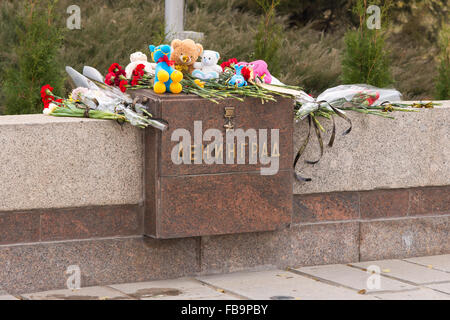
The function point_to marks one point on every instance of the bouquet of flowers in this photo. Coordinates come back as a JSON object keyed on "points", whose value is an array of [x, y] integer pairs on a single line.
{"points": [[98, 101]]}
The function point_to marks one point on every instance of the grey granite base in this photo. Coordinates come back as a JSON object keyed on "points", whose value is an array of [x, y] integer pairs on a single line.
{"points": [[404, 238], [40, 267], [26, 268]]}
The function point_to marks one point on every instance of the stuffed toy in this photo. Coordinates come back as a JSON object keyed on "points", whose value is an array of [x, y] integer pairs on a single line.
{"points": [[185, 54], [166, 77], [208, 68], [260, 69], [136, 59], [238, 79]]}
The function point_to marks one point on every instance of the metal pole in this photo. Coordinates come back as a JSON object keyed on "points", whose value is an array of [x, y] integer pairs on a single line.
{"points": [[174, 12]]}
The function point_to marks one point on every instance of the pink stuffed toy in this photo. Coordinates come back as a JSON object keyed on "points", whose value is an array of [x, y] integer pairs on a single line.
{"points": [[260, 69]]}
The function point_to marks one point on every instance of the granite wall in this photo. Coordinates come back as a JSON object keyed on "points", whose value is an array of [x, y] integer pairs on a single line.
{"points": [[72, 193]]}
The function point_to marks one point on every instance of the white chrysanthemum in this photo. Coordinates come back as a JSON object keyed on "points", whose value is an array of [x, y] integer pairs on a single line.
{"points": [[51, 107]]}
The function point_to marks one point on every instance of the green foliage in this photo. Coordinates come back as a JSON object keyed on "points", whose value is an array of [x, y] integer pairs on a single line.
{"points": [[323, 15], [443, 79], [365, 58], [269, 37], [35, 63], [111, 31], [311, 52]]}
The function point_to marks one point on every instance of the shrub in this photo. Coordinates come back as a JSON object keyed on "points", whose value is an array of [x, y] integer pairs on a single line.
{"points": [[365, 58], [36, 63], [269, 36], [443, 79]]}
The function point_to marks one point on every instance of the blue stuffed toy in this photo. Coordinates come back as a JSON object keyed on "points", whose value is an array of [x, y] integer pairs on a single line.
{"points": [[238, 79], [166, 77]]}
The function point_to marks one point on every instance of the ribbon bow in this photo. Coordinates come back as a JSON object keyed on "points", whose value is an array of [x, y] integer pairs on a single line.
{"points": [[166, 60]]}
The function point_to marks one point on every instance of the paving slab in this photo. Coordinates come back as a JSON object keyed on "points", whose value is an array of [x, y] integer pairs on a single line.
{"points": [[280, 285], [442, 287], [7, 297], [441, 262], [354, 278], [178, 289], [88, 293], [407, 271], [419, 294]]}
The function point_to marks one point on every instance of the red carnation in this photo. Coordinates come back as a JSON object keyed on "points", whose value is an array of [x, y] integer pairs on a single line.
{"points": [[47, 96], [246, 73], [115, 67], [135, 81], [122, 85], [228, 63], [120, 75], [138, 73], [116, 77], [109, 79], [139, 70], [44, 92]]}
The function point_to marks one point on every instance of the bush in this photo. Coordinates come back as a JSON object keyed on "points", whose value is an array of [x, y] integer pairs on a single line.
{"points": [[36, 59], [365, 58], [443, 79], [269, 37], [112, 30]]}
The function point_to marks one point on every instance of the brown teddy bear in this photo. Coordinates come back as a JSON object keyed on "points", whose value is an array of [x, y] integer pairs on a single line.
{"points": [[185, 54]]}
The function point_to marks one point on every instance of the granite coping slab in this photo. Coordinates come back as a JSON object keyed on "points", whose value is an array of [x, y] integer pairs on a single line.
{"points": [[53, 162], [379, 153]]}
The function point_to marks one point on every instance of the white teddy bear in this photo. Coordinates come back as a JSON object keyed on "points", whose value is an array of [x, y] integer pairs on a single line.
{"points": [[136, 59], [208, 68]]}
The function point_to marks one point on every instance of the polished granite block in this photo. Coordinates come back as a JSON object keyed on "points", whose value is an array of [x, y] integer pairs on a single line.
{"points": [[16, 227], [91, 222], [377, 204], [325, 207]]}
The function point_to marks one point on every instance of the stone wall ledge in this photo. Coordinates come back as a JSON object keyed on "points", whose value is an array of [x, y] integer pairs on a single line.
{"points": [[54, 162], [50, 162], [412, 150]]}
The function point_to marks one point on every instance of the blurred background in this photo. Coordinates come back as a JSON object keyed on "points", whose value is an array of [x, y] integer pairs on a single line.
{"points": [[315, 44]]}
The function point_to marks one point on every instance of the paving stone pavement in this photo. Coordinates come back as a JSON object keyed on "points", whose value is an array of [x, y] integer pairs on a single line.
{"points": [[424, 278]]}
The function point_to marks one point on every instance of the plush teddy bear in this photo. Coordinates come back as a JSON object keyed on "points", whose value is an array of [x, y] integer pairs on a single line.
{"points": [[185, 54], [208, 68], [166, 77], [136, 59]]}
